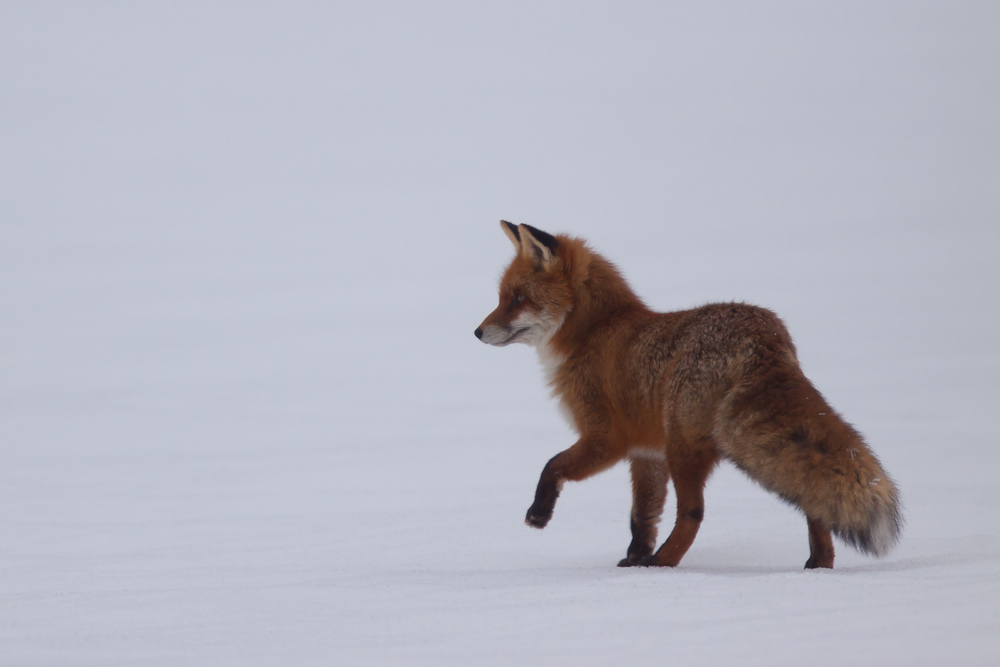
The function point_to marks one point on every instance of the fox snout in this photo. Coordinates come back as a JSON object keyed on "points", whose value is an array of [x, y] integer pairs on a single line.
{"points": [[527, 326], [499, 335], [497, 328]]}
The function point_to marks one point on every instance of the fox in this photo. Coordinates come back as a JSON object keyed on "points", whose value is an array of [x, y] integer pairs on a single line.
{"points": [[675, 393]]}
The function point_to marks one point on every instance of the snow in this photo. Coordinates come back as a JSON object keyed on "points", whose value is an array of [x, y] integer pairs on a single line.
{"points": [[243, 416]]}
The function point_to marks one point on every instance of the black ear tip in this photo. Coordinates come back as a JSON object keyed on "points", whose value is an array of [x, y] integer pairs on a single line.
{"points": [[513, 228], [546, 239]]}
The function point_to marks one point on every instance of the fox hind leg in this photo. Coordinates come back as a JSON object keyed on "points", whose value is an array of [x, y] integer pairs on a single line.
{"points": [[820, 545], [649, 494]]}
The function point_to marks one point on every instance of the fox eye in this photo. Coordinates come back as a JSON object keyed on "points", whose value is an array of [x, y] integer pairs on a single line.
{"points": [[518, 298]]}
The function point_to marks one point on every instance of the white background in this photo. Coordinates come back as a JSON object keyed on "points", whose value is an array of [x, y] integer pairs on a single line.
{"points": [[243, 248]]}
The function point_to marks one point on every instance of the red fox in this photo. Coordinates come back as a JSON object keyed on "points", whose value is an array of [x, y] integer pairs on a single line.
{"points": [[677, 392]]}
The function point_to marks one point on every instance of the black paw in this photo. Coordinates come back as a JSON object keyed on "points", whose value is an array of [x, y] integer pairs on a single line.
{"points": [[635, 557], [815, 564], [537, 518]]}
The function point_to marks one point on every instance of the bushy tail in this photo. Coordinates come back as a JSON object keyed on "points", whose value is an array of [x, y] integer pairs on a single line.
{"points": [[868, 515], [788, 439]]}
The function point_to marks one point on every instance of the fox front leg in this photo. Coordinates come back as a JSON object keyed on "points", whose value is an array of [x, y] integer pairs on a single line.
{"points": [[546, 494], [587, 457], [649, 493]]}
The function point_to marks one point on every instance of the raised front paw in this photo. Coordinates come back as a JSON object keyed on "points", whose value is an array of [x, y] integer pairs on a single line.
{"points": [[537, 517]]}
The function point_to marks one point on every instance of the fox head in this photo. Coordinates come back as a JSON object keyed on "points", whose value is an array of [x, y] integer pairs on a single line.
{"points": [[535, 293]]}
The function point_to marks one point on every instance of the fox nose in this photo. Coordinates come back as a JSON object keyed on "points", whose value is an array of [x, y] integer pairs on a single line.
{"points": [[479, 333]]}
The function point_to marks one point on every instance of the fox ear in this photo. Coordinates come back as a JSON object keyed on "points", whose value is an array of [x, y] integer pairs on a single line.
{"points": [[510, 229], [539, 246]]}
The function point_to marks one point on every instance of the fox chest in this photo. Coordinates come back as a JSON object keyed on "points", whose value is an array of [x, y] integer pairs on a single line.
{"points": [[552, 365]]}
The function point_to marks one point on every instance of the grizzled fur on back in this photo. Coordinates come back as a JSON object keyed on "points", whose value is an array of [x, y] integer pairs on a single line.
{"points": [[677, 392]]}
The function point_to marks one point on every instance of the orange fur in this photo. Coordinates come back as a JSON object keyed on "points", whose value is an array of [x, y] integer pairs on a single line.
{"points": [[678, 392]]}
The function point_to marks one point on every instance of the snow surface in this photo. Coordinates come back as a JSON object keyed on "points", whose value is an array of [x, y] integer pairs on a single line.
{"points": [[243, 249]]}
